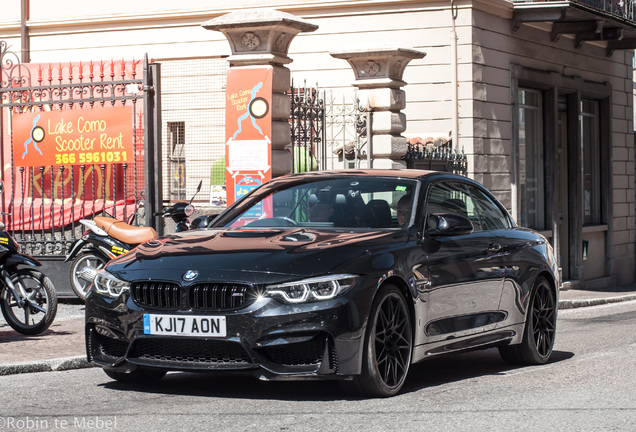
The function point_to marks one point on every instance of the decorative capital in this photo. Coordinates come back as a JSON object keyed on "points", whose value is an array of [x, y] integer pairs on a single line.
{"points": [[260, 36], [378, 65]]}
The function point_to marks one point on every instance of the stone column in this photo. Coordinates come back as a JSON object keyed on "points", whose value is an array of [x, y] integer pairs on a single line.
{"points": [[378, 69], [262, 37]]}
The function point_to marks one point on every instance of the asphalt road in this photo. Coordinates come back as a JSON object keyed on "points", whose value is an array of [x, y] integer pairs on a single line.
{"points": [[588, 386]]}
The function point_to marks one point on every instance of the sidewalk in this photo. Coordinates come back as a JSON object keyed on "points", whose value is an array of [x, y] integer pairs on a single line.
{"points": [[570, 299], [62, 347]]}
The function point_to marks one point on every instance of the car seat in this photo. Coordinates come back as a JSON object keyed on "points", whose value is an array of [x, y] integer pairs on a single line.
{"points": [[378, 214]]}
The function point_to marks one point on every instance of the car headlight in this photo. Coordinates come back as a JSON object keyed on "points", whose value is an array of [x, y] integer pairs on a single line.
{"points": [[312, 289], [106, 283]]}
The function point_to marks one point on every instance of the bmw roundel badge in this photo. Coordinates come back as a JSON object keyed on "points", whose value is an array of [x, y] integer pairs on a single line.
{"points": [[190, 275]]}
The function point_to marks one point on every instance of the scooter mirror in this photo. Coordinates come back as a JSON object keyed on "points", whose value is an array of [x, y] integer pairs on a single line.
{"points": [[198, 189]]}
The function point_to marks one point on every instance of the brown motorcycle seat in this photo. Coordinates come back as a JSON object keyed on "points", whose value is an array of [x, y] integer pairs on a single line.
{"points": [[124, 232]]}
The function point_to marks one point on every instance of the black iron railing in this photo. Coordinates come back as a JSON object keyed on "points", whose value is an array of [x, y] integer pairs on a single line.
{"points": [[436, 159], [621, 8]]}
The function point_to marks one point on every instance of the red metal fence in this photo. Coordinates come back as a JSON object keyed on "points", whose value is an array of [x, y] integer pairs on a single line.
{"points": [[43, 204]]}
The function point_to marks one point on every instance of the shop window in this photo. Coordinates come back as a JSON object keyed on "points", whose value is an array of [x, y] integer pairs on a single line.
{"points": [[177, 160], [530, 152], [590, 142]]}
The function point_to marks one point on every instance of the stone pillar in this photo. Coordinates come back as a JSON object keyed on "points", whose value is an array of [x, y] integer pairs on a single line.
{"points": [[262, 37], [378, 69]]}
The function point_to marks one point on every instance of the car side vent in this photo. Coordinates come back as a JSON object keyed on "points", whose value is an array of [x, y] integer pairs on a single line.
{"points": [[163, 295], [215, 296]]}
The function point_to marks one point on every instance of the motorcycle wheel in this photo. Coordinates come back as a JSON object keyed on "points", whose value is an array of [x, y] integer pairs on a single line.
{"points": [[38, 313], [81, 282]]}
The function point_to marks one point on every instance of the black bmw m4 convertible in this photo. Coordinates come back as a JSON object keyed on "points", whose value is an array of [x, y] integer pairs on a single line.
{"points": [[346, 275]]}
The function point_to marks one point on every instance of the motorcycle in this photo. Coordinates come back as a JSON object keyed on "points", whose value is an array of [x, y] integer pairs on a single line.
{"points": [[27, 297], [106, 238]]}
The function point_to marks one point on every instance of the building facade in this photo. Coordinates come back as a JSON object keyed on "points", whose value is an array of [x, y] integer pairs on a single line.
{"points": [[538, 95]]}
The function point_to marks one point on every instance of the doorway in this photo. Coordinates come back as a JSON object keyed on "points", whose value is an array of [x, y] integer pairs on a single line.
{"points": [[561, 245]]}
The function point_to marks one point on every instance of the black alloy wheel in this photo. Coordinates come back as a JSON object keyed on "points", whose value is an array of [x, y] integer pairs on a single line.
{"points": [[388, 347], [544, 320], [540, 330]]}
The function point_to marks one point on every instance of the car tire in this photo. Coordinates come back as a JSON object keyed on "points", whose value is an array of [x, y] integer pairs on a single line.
{"points": [[85, 259], [540, 329], [388, 347], [136, 376]]}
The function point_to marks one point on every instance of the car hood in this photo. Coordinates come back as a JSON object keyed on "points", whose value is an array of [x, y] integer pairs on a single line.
{"points": [[249, 255]]}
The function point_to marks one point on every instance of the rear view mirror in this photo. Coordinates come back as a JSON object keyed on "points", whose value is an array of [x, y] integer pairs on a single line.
{"points": [[448, 224]]}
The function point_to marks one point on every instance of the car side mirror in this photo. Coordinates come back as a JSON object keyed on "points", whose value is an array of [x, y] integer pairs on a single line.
{"points": [[447, 224]]}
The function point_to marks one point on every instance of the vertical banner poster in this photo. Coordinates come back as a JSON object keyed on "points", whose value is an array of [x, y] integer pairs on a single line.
{"points": [[248, 129]]}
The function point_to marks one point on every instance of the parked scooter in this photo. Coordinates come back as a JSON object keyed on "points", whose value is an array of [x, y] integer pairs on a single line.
{"points": [[106, 238], [27, 297], [180, 212]]}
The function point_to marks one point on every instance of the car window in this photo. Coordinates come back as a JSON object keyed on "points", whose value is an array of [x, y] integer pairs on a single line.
{"points": [[453, 198], [468, 201], [490, 215], [340, 202]]}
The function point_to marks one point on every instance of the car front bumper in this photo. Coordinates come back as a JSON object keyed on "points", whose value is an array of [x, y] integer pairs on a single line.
{"points": [[268, 339]]}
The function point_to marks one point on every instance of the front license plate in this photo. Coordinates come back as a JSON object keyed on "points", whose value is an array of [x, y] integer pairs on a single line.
{"points": [[184, 325]]}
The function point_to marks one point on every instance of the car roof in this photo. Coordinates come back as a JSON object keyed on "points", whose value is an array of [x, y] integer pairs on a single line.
{"points": [[396, 173]]}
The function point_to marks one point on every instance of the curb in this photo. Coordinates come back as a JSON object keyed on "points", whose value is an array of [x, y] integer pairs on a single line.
{"points": [[573, 304], [59, 364]]}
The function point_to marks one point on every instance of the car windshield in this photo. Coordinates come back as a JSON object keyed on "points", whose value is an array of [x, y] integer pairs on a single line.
{"points": [[358, 202]]}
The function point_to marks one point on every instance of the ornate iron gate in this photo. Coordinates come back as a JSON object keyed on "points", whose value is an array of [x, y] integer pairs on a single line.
{"points": [[329, 131], [42, 205], [348, 143], [307, 128]]}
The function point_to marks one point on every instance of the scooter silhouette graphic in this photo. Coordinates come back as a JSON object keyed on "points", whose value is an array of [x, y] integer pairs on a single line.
{"points": [[35, 130]]}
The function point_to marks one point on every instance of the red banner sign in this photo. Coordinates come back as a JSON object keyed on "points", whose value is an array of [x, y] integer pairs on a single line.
{"points": [[73, 137], [248, 130]]}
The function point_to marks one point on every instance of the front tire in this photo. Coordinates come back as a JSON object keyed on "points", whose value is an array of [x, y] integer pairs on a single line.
{"points": [[387, 349], [540, 329], [82, 268], [39, 312]]}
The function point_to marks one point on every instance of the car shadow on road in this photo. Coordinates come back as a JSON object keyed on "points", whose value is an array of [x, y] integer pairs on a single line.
{"points": [[234, 386], [431, 373], [463, 366]]}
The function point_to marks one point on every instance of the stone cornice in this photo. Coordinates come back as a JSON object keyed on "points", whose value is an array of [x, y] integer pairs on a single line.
{"points": [[169, 18], [499, 8]]}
